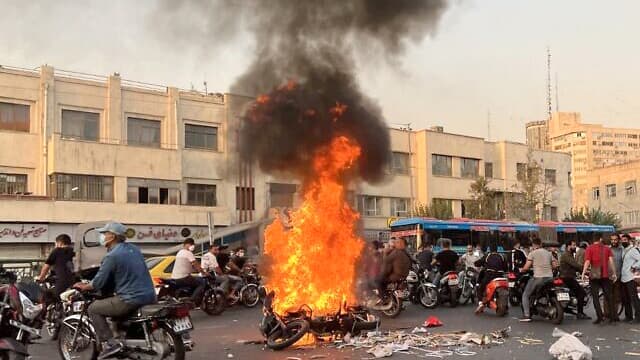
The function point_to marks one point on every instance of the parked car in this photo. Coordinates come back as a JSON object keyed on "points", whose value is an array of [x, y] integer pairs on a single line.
{"points": [[160, 267]]}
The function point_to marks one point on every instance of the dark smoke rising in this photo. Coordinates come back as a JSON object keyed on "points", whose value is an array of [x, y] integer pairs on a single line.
{"points": [[313, 43]]}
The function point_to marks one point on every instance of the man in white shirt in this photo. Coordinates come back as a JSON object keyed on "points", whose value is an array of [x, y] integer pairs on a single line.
{"points": [[210, 264], [184, 265]]}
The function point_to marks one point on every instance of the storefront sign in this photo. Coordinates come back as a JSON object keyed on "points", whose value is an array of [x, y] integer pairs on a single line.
{"points": [[23, 232], [156, 233]]}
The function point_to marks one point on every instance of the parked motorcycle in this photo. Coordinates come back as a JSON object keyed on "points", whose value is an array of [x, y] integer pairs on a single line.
{"points": [[468, 286], [19, 318], [496, 295], [158, 331], [282, 331], [517, 283], [213, 300], [446, 291], [248, 294], [550, 300]]}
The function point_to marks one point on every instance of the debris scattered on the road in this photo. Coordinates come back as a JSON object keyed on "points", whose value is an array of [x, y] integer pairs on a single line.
{"points": [[250, 342], [432, 321], [319, 356], [421, 343], [230, 356], [529, 341], [569, 347], [632, 353], [601, 339], [293, 358]]}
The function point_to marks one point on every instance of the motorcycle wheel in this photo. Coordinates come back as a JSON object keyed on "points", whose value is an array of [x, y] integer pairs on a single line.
{"points": [[85, 349], [514, 299], [293, 332], [453, 297], [502, 302], [428, 296], [395, 309], [165, 335], [249, 295], [214, 302], [559, 312]]}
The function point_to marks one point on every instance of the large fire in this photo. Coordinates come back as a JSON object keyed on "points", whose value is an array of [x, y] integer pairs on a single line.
{"points": [[312, 259]]}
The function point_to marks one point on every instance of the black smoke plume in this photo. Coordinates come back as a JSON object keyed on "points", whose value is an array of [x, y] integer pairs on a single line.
{"points": [[313, 43]]}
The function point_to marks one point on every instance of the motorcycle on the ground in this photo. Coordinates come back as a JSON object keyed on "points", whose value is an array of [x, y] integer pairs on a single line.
{"points": [[282, 331], [496, 295], [550, 300], [154, 332], [468, 286], [213, 300]]}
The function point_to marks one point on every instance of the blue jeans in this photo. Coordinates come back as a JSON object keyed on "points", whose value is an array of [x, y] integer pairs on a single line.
{"points": [[531, 288]]}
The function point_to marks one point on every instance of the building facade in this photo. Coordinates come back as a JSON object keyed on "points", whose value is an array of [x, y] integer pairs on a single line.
{"points": [[78, 148], [615, 188], [592, 146]]}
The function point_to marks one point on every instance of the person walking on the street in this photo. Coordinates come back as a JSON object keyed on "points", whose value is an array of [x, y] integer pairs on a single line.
{"points": [[619, 294], [599, 259], [61, 260], [630, 262], [542, 262], [569, 266]]}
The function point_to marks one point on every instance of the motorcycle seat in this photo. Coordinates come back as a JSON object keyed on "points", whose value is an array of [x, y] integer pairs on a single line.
{"points": [[149, 310]]}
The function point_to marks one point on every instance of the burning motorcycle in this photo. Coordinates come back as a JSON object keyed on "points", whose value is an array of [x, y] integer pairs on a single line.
{"points": [[213, 300], [550, 300], [283, 331], [158, 331]]}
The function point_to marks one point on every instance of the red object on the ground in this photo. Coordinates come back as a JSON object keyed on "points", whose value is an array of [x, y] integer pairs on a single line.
{"points": [[432, 321]]}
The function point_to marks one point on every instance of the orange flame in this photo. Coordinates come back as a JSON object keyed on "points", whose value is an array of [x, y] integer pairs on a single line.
{"points": [[312, 259]]}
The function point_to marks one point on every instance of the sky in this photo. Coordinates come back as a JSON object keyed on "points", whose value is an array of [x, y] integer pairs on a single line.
{"points": [[482, 73]]}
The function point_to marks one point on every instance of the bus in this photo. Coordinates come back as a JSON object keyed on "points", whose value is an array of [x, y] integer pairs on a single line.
{"points": [[462, 232], [562, 232]]}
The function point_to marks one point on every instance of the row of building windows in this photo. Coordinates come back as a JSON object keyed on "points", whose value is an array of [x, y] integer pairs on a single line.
{"points": [[599, 135], [372, 206], [442, 165], [524, 172], [85, 125], [630, 189]]}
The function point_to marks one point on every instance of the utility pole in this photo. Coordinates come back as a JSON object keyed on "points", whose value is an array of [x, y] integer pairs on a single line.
{"points": [[549, 105]]}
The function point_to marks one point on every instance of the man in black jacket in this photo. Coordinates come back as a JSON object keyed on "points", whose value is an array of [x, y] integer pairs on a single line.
{"points": [[493, 265], [569, 266]]}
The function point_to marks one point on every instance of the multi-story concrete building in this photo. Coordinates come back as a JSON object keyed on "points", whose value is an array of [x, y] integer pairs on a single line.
{"points": [[592, 146], [615, 188], [76, 148]]}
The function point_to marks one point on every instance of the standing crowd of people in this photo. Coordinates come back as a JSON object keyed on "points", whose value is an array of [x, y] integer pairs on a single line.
{"points": [[610, 266]]}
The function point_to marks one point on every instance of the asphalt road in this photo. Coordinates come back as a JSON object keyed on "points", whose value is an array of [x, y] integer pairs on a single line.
{"points": [[219, 337]]}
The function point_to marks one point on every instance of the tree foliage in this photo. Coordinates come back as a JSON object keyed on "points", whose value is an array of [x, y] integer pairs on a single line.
{"points": [[437, 209], [532, 192], [593, 216], [483, 201]]}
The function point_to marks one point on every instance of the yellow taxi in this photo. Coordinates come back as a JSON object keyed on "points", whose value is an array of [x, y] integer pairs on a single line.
{"points": [[160, 267]]}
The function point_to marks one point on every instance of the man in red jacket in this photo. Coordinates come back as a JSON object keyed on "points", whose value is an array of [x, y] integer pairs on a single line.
{"points": [[600, 258]]}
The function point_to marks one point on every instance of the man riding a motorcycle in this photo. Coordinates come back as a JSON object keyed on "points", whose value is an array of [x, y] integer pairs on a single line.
{"points": [[517, 257], [395, 267], [447, 259], [493, 266], [569, 266], [123, 271], [184, 265], [542, 262]]}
